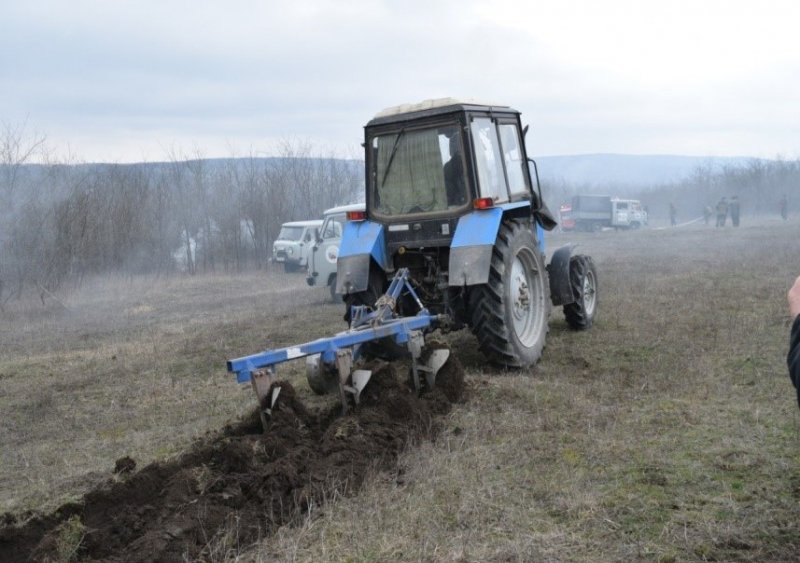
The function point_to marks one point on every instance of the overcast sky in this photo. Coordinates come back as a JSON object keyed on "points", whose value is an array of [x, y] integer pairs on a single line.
{"points": [[128, 81]]}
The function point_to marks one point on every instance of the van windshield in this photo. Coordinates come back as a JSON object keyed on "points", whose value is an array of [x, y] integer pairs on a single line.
{"points": [[290, 233]]}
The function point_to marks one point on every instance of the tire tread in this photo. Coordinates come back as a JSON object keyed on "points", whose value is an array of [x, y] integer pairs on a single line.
{"points": [[487, 307]]}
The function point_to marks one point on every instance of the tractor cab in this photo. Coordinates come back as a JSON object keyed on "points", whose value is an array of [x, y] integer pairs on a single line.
{"points": [[439, 160], [441, 176]]}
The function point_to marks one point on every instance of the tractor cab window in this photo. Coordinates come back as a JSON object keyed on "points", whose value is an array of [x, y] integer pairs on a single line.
{"points": [[513, 157], [488, 159], [418, 171]]}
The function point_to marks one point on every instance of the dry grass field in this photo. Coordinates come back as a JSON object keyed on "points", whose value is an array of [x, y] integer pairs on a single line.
{"points": [[669, 432]]}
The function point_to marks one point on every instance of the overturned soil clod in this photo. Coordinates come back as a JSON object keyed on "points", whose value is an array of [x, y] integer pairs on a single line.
{"points": [[235, 487], [124, 465]]}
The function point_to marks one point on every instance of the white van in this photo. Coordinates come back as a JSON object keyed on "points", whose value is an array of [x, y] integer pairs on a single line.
{"points": [[322, 259], [294, 244]]}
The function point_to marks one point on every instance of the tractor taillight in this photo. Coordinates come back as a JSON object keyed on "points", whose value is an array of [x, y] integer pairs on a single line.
{"points": [[483, 203], [356, 215]]}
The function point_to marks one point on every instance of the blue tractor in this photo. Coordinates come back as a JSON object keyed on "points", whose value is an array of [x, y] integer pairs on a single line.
{"points": [[451, 197], [452, 236]]}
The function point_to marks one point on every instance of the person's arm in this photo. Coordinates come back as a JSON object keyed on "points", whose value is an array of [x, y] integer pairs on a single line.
{"points": [[793, 357], [794, 299]]}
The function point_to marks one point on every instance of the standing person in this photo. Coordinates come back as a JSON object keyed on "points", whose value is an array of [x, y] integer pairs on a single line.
{"points": [[673, 215], [793, 357], [722, 212], [707, 214], [734, 207], [784, 204]]}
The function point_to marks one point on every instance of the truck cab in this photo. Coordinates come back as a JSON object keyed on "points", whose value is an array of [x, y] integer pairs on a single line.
{"points": [[596, 212], [627, 214]]}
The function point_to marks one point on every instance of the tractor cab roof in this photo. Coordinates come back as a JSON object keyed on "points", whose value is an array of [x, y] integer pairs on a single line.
{"points": [[433, 107]]}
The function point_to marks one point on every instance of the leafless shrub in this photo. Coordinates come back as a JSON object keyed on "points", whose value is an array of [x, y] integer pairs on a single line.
{"points": [[64, 222]]}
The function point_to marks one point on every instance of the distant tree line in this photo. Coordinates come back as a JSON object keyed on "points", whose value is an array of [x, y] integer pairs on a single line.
{"points": [[61, 222]]}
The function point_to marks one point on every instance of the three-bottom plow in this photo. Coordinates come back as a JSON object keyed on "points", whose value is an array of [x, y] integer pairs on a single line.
{"points": [[332, 360]]}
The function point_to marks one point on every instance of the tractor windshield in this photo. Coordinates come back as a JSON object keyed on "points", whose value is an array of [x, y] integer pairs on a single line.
{"points": [[418, 171]]}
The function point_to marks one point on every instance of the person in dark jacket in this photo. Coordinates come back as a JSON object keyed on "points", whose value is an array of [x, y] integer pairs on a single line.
{"points": [[793, 357]]}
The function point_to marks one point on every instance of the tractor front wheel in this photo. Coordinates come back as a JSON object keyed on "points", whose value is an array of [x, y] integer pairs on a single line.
{"points": [[583, 279], [509, 313]]}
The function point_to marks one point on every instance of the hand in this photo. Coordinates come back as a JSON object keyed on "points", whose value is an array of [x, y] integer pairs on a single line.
{"points": [[794, 299]]}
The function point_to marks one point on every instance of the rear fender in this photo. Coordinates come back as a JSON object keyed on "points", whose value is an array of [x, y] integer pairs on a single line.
{"points": [[362, 241], [544, 218], [473, 241], [558, 272]]}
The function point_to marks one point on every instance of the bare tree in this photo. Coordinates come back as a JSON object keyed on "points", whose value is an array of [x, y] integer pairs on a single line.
{"points": [[18, 147], [75, 220]]}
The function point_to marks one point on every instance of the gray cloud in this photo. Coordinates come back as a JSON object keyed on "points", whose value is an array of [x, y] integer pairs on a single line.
{"points": [[121, 81]]}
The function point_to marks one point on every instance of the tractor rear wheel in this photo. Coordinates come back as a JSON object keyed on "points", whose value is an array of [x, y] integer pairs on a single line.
{"points": [[583, 279], [509, 313]]}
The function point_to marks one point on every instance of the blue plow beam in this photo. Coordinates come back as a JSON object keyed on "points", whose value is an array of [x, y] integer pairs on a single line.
{"points": [[327, 347]]}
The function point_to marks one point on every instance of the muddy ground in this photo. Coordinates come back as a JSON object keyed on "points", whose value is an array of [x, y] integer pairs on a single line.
{"points": [[237, 486]]}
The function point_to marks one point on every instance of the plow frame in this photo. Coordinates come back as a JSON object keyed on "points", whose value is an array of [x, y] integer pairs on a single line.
{"points": [[339, 352]]}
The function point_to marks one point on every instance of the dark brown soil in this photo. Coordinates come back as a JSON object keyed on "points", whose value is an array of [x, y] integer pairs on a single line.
{"points": [[235, 487]]}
